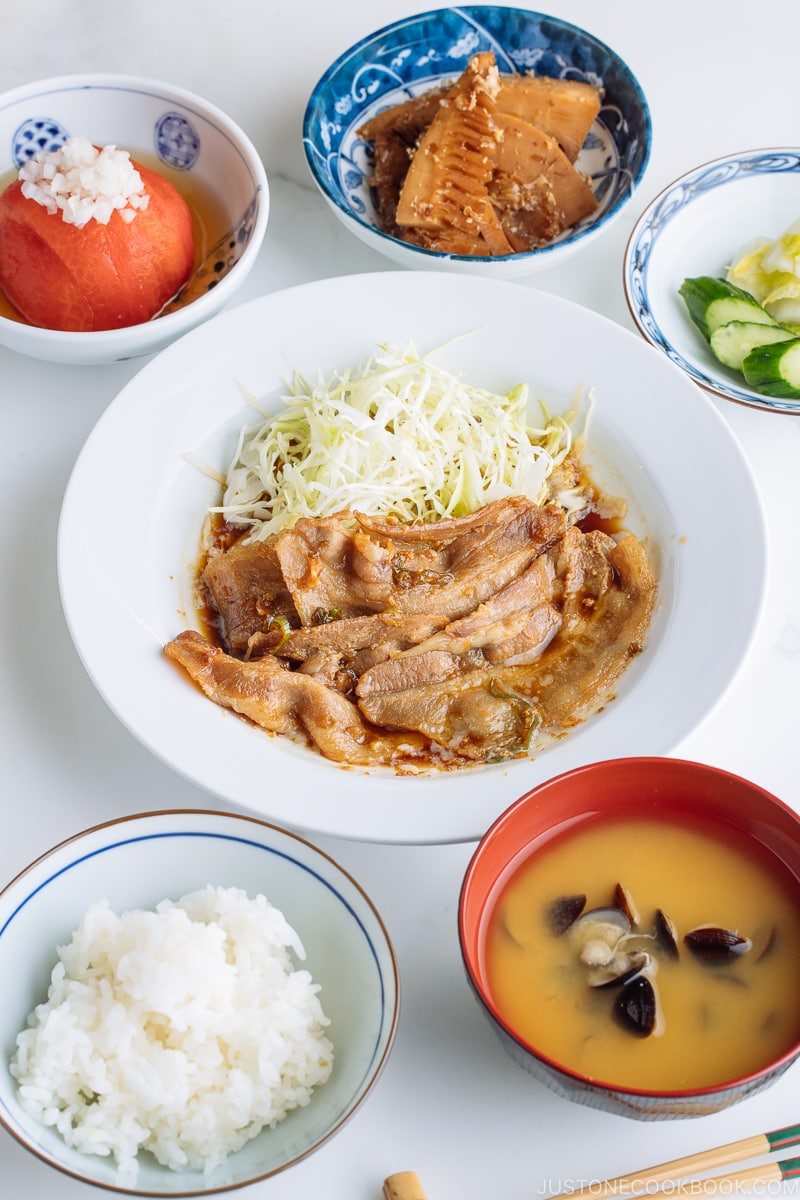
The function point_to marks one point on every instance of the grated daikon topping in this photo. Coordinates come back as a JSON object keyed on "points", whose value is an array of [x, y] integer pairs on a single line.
{"points": [[84, 183]]}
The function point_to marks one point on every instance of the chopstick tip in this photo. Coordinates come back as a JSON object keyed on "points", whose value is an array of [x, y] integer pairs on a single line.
{"points": [[403, 1185]]}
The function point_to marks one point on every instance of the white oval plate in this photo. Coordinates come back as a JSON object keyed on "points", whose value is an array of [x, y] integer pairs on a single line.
{"points": [[133, 508], [694, 227]]}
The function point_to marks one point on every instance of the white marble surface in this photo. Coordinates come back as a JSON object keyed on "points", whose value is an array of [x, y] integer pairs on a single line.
{"points": [[450, 1105]]}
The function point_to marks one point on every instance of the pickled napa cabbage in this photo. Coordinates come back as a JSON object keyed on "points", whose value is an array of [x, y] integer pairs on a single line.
{"points": [[770, 272]]}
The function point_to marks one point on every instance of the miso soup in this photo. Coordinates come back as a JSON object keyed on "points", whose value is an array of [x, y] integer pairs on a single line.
{"points": [[720, 1010]]}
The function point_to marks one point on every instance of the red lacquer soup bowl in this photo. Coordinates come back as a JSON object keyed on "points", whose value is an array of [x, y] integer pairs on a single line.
{"points": [[630, 930]]}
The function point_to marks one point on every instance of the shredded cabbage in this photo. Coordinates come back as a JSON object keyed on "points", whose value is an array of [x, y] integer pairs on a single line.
{"points": [[397, 436], [770, 272]]}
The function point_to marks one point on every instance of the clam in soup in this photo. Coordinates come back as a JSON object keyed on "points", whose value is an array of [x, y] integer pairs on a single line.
{"points": [[649, 955]]}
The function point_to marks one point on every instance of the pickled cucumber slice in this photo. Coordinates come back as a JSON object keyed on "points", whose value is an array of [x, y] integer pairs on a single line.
{"points": [[775, 370], [713, 302], [732, 343]]}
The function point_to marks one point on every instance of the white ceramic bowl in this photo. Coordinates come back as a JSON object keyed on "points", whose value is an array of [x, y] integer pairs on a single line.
{"points": [[418, 53], [200, 148], [695, 227], [134, 863], [183, 413]]}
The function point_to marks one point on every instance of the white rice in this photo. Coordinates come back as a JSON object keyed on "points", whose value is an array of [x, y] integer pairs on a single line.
{"points": [[184, 1031]]}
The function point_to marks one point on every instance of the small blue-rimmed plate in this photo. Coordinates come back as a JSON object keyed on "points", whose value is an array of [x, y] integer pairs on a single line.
{"points": [[696, 226]]}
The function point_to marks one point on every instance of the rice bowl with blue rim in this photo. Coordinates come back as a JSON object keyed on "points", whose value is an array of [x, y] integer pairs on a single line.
{"points": [[135, 862]]}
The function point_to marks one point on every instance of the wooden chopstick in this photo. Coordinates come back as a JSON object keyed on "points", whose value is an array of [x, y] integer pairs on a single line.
{"points": [[403, 1185], [761, 1176], [706, 1160]]}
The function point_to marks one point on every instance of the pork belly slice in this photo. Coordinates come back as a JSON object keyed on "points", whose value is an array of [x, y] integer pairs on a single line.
{"points": [[247, 588], [485, 559], [392, 631], [339, 651], [330, 565], [289, 702], [608, 592], [523, 604], [516, 622], [582, 667], [507, 525], [354, 566], [490, 517], [467, 714], [401, 674]]}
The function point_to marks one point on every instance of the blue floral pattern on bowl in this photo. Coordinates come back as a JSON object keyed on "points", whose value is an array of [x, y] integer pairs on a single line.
{"points": [[420, 52], [177, 141], [35, 135]]}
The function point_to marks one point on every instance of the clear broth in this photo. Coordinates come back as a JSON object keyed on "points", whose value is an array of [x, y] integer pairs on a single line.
{"points": [[716, 1023]]}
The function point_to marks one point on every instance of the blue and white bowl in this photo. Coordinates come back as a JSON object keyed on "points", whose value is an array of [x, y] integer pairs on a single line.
{"points": [[137, 861], [421, 52], [696, 226], [172, 129]]}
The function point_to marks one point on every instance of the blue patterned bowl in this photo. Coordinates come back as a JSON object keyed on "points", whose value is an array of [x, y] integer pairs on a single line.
{"points": [[207, 156], [695, 227], [420, 52]]}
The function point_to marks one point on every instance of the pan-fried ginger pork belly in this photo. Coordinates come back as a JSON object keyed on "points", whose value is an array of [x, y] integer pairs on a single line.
{"points": [[594, 622], [247, 587], [349, 566], [430, 644], [606, 622], [286, 702]]}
